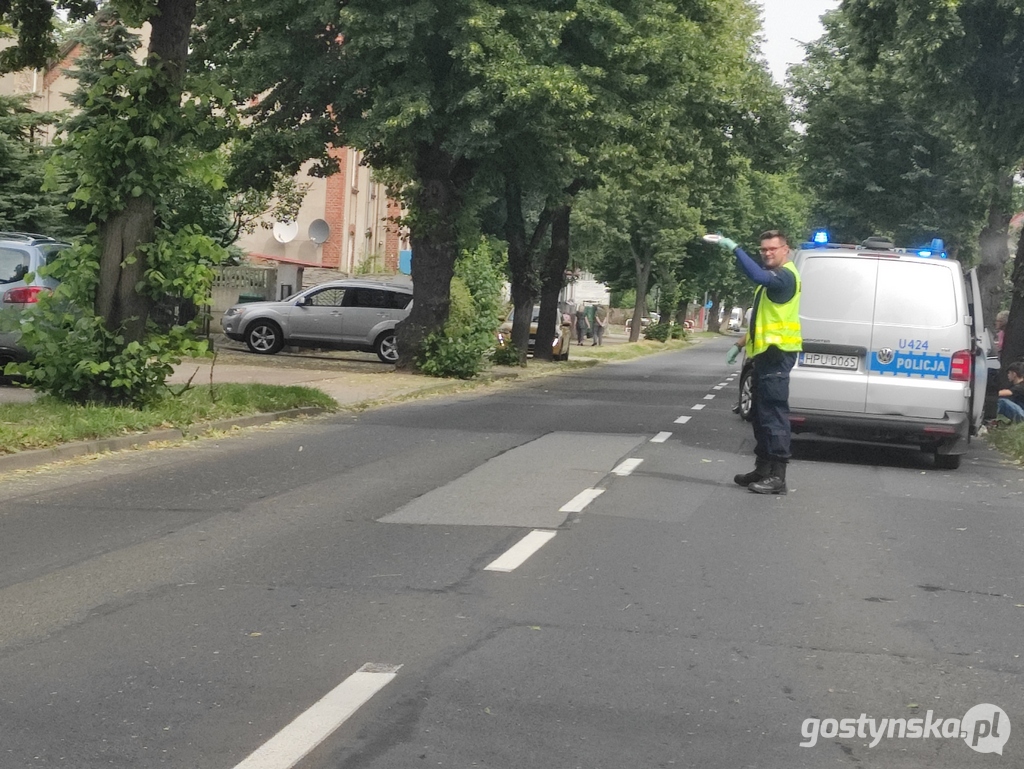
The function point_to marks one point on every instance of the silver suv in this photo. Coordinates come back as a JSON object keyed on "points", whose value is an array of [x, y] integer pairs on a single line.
{"points": [[341, 315], [22, 254]]}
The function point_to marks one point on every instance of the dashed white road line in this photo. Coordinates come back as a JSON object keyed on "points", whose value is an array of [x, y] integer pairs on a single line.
{"points": [[627, 466], [722, 384], [709, 397], [516, 555], [718, 387], [662, 437], [683, 420], [698, 407], [580, 501], [293, 743]]}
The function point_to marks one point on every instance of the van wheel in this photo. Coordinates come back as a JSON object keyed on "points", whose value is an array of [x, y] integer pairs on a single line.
{"points": [[386, 347], [947, 461], [264, 337], [746, 394]]}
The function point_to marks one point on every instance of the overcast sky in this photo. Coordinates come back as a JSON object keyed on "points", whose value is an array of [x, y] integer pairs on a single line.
{"points": [[787, 24]]}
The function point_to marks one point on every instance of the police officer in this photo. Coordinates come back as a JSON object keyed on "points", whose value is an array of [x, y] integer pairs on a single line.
{"points": [[773, 341]]}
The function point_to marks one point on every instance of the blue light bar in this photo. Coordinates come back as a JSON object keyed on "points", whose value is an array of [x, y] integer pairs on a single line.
{"points": [[820, 237], [936, 249]]}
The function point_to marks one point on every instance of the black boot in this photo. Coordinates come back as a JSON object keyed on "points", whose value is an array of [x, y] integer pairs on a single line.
{"points": [[774, 483], [761, 467]]}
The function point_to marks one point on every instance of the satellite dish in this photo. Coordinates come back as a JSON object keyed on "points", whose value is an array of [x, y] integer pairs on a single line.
{"points": [[319, 231], [285, 232]]}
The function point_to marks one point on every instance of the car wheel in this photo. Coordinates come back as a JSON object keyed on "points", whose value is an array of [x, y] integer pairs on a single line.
{"points": [[264, 337], [947, 461], [746, 394], [386, 347]]}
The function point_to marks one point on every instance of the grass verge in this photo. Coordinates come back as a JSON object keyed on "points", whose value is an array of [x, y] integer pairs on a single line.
{"points": [[1009, 439], [630, 350], [49, 422]]}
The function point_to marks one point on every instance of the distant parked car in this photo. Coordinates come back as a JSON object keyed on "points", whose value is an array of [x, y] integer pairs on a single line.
{"points": [[22, 254], [560, 345], [341, 315], [645, 321]]}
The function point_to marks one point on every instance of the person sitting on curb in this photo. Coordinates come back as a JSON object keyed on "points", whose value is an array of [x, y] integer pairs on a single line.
{"points": [[1011, 401]]}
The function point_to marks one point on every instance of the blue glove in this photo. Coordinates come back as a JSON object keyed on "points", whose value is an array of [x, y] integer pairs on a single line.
{"points": [[734, 353], [721, 241]]}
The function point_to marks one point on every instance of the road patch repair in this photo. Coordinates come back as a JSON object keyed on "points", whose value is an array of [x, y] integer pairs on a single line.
{"points": [[558, 466]]}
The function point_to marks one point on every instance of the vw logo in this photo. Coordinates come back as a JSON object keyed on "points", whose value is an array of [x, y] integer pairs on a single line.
{"points": [[885, 355]]}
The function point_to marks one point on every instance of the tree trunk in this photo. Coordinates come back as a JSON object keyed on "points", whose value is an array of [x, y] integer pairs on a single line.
{"points": [[995, 249], [1013, 335], [122, 268], [122, 264], [436, 205], [521, 268], [549, 324], [643, 266], [714, 323]]}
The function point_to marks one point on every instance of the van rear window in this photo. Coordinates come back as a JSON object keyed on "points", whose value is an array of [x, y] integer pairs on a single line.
{"points": [[838, 289], [915, 293]]}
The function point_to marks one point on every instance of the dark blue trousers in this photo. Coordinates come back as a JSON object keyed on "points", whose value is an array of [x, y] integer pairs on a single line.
{"points": [[771, 404]]}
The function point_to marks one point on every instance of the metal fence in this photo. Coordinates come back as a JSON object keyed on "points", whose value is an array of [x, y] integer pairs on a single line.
{"points": [[234, 284]]}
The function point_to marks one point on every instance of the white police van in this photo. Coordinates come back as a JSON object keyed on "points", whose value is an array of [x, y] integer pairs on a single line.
{"points": [[894, 347]]}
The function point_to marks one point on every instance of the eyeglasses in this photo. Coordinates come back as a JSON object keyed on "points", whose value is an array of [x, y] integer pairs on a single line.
{"points": [[766, 251]]}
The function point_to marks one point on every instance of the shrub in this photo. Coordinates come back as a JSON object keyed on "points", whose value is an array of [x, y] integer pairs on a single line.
{"points": [[662, 332], [657, 331], [505, 355], [473, 318]]}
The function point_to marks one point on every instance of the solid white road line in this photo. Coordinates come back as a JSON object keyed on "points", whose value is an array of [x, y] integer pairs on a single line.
{"points": [[627, 466], [580, 501], [517, 554], [662, 437], [709, 397], [293, 743], [683, 420], [698, 407]]}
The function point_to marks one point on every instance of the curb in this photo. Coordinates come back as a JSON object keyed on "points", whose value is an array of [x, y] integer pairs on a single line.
{"points": [[26, 460]]}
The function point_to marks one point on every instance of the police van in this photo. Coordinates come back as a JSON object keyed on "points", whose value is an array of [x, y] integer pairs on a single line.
{"points": [[894, 347]]}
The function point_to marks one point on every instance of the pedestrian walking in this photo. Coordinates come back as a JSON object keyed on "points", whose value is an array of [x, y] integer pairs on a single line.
{"points": [[600, 323], [773, 341], [1001, 318], [581, 325]]}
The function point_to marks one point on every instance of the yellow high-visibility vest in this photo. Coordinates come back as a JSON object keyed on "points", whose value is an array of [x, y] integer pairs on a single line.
{"points": [[777, 324]]}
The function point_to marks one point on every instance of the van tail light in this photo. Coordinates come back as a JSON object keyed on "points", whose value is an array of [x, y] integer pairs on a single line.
{"points": [[24, 294], [960, 370]]}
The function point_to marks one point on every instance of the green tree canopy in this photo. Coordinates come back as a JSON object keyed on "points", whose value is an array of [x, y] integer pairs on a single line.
{"points": [[24, 205], [876, 157]]}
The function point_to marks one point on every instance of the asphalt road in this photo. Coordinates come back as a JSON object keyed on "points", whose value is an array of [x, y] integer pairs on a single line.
{"points": [[183, 607]]}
